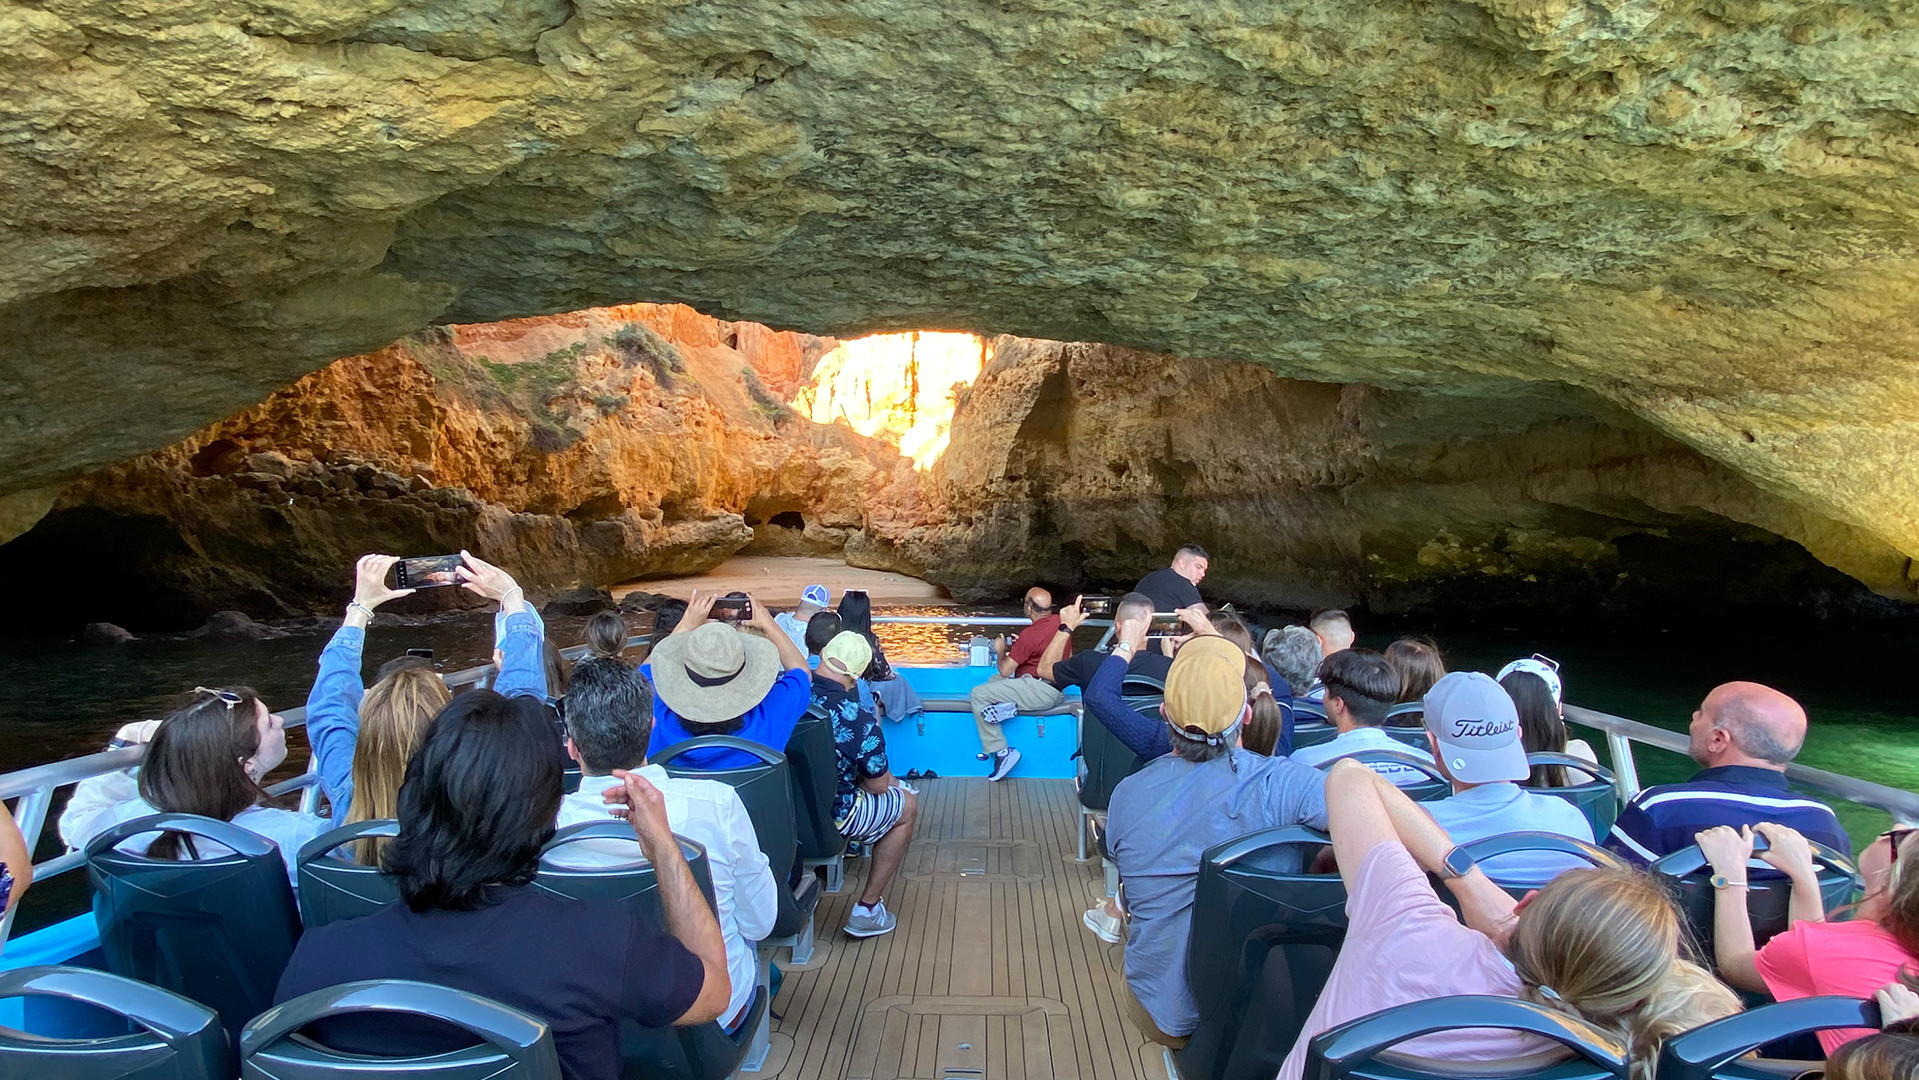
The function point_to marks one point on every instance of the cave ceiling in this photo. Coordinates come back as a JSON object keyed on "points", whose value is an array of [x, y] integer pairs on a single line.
{"points": [[1700, 215]]}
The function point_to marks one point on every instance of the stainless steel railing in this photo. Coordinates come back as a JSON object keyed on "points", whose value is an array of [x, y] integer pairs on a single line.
{"points": [[35, 787]]}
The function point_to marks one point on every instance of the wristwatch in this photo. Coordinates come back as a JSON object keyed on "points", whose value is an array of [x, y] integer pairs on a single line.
{"points": [[1062, 628], [1721, 881], [1457, 863]]}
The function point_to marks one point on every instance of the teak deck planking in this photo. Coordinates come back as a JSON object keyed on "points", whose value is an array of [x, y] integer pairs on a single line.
{"points": [[990, 975]]}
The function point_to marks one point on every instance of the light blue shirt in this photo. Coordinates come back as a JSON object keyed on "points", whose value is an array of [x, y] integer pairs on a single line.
{"points": [[1496, 809], [1366, 738]]}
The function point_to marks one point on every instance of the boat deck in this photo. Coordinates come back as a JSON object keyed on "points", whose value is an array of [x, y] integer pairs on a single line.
{"points": [[990, 975]]}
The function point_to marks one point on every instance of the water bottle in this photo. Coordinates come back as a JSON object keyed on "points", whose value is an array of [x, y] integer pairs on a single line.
{"points": [[979, 652]]}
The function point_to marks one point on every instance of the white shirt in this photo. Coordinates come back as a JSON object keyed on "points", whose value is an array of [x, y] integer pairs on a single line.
{"points": [[794, 628], [101, 802], [1366, 738], [711, 814]]}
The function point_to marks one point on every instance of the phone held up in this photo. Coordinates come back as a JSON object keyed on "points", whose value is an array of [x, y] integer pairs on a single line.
{"points": [[734, 609], [1166, 624], [1096, 607], [426, 572]]}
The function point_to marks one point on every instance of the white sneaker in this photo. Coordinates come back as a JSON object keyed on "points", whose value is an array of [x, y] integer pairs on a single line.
{"points": [[1003, 763], [879, 921], [1104, 926]]}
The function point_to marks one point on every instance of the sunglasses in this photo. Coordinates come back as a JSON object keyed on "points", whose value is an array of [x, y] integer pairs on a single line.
{"points": [[1897, 836], [226, 697]]}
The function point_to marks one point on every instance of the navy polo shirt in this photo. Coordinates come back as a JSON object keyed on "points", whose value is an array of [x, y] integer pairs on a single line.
{"points": [[1666, 818]]}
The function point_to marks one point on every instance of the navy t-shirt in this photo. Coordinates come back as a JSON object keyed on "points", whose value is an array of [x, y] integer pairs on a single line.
{"points": [[1169, 591], [579, 965]]}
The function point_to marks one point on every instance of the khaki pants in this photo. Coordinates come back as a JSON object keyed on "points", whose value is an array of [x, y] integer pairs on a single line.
{"points": [[1143, 1020], [1025, 691]]}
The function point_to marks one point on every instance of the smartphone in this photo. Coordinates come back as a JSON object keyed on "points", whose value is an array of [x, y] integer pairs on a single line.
{"points": [[427, 572], [1166, 624], [1096, 607], [424, 654], [733, 609]]}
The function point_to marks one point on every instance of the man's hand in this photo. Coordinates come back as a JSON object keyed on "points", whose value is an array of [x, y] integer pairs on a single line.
{"points": [[699, 609], [1789, 852], [479, 576], [369, 581], [1896, 1003], [1131, 631], [762, 618], [1071, 616], [1195, 619], [644, 808], [999, 645], [1726, 850]]}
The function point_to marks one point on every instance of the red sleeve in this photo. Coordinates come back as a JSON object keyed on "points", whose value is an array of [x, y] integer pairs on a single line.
{"points": [[1786, 963], [1031, 641]]}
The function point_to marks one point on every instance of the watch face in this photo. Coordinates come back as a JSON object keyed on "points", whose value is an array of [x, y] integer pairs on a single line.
{"points": [[1458, 863]]}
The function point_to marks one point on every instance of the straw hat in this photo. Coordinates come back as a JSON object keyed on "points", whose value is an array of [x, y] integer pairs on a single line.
{"points": [[714, 673]]}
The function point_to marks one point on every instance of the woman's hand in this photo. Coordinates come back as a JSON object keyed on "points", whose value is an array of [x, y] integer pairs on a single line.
{"points": [[369, 581], [699, 609], [1789, 852], [1896, 1002], [1727, 850], [479, 576], [644, 808]]}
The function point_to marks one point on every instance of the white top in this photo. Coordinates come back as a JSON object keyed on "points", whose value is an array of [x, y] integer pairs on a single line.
{"points": [[1366, 738], [794, 628], [101, 802], [711, 814]]}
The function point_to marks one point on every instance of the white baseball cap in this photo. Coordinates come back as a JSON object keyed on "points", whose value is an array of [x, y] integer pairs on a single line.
{"points": [[1476, 728], [1543, 666]]}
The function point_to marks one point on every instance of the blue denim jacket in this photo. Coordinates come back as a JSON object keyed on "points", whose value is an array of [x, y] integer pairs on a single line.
{"points": [[333, 705]]}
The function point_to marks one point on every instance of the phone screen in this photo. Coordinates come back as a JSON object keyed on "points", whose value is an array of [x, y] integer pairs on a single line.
{"points": [[733, 609], [1096, 607], [1166, 624], [427, 572]]}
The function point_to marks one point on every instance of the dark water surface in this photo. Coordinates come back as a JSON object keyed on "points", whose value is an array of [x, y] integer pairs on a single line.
{"points": [[1857, 683]]}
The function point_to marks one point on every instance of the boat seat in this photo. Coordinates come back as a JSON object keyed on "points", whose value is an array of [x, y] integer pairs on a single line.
{"points": [[1310, 730], [1362, 1049], [168, 1037], [1414, 737], [1107, 762], [508, 1044], [1718, 1050], [1435, 787], [1490, 847], [813, 760], [218, 930], [1687, 876], [1069, 707], [333, 886], [1407, 715], [1598, 799], [766, 789], [1264, 937], [1313, 712], [701, 1052]]}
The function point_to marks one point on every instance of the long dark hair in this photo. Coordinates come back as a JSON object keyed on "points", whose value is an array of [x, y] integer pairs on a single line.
{"points": [[856, 614], [1541, 730], [193, 765], [478, 802]]}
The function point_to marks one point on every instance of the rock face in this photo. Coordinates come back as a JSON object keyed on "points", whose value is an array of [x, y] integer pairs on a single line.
{"points": [[1697, 219], [579, 450]]}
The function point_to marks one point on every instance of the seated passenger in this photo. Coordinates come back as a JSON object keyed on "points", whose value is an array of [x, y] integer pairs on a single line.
{"points": [[1017, 684], [1474, 733], [820, 629], [605, 637], [1743, 735], [1812, 956], [1893, 1054], [1165, 816], [609, 720], [813, 600], [1078, 669], [1143, 735], [1418, 664], [710, 678], [1293, 652], [1267, 722], [1601, 946], [478, 804], [361, 743], [1534, 686], [1334, 629], [869, 805], [1359, 687], [897, 699], [207, 759]]}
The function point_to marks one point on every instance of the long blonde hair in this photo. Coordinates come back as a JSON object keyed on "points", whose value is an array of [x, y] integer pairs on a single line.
{"points": [[1603, 945], [393, 716]]}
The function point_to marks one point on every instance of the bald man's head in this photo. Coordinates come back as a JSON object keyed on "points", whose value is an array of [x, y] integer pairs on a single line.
{"points": [[1039, 602], [1745, 723]]}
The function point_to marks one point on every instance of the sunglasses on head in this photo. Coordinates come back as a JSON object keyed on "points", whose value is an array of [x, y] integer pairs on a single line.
{"points": [[226, 697]]}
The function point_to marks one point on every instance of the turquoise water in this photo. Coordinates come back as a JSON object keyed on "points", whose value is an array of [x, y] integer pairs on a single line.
{"points": [[1855, 682]]}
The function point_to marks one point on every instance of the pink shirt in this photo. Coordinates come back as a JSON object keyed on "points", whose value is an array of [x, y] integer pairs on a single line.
{"points": [[1403, 945], [1853, 959]]}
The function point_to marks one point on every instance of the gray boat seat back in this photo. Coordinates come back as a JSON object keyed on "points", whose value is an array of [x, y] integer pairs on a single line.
{"points": [[1363, 1049], [509, 1044], [1597, 798], [766, 790], [168, 1037], [633, 881], [1490, 847], [1107, 760], [218, 930], [1407, 716], [1435, 786], [1264, 937], [1718, 1050], [333, 886], [813, 761], [1687, 876], [699, 1052]]}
